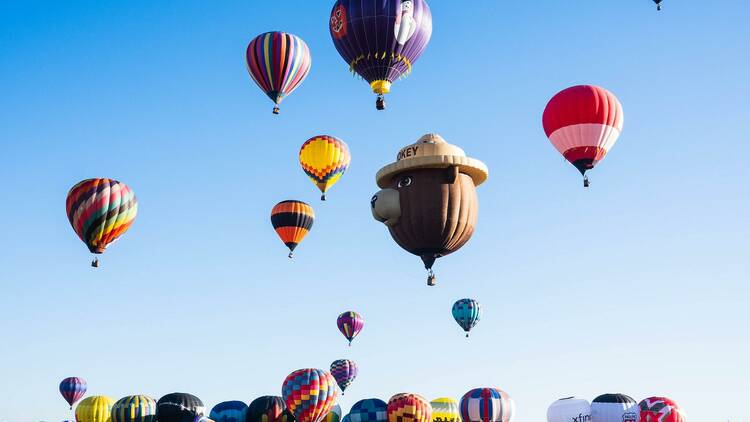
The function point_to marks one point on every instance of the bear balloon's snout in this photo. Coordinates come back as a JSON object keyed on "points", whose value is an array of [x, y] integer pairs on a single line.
{"points": [[386, 206]]}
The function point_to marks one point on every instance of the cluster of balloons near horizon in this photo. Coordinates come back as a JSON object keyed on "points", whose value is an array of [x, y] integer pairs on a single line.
{"points": [[615, 408]]}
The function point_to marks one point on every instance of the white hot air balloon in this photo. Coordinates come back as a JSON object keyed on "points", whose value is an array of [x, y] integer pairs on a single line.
{"points": [[614, 408], [569, 409]]}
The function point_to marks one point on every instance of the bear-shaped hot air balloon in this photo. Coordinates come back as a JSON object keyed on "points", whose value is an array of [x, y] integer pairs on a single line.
{"points": [[428, 198]]}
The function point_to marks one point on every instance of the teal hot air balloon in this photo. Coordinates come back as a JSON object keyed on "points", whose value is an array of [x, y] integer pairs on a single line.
{"points": [[467, 313], [229, 411]]}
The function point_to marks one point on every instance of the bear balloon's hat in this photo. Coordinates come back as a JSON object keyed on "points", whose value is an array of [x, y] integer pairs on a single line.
{"points": [[432, 151]]}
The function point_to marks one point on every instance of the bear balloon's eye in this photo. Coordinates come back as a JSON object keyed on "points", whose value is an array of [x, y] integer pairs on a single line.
{"points": [[404, 182]]}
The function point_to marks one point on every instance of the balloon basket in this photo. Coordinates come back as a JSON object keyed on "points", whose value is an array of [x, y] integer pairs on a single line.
{"points": [[95, 263], [431, 280], [291, 255], [380, 103], [586, 182], [323, 197], [276, 110]]}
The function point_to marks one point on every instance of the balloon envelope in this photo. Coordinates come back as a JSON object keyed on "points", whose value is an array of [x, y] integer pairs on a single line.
{"points": [[324, 159], [292, 220], [94, 409], [72, 389], [445, 409], [309, 394], [660, 409], [569, 409], [229, 411], [614, 408], [408, 407], [467, 313], [137, 408], [487, 405], [268, 409], [369, 410], [350, 324], [334, 415], [179, 407], [344, 371]]}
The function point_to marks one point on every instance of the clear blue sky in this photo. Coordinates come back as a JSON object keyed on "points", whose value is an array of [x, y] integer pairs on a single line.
{"points": [[636, 285]]}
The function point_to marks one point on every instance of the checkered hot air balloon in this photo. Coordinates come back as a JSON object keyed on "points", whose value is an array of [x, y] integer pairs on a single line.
{"points": [[134, 409], [72, 389], [408, 407], [660, 409], [309, 394], [445, 409], [334, 415], [324, 159], [292, 220], [380, 40], [100, 211], [487, 405], [344, 371], [350, 324], [278, 62], [369, 410], [583, 123], [467, 313]]}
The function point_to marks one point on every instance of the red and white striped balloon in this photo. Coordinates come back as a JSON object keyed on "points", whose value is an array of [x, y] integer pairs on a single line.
{"points": [[583, 122]]}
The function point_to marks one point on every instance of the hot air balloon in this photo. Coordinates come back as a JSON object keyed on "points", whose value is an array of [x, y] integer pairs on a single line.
{"points": [[268, 409], [334, 415], [292, 220], [583, 122], [346, 418], [660, 409], [229, 411], [614, 408], [100, 211], [428, 199], [380, 40], [445, 409], [179, 407], [278, 62], [467, 313], [309, 394], [407, 407], [350, 324], [324, 159], [658, 4], [369, 410], [569, 409], [72, 389], [344, 371], [94, 409], [487, 405], [134, 409]]}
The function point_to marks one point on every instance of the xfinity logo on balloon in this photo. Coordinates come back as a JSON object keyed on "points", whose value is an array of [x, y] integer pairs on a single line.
{"points": [[581, 418]]}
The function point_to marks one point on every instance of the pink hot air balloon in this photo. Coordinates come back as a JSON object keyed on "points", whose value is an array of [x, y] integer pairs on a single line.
{"points": [[583, 122], [350, 324], [72, 389], [659, 409]]}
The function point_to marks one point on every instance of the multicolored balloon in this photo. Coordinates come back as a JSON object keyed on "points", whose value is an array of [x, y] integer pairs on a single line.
{"points": [[569, 409], [583, 123], [268, 409], [134, 409], [229, 411], [278, 62], [324, 159], [292, 220], [660, 409], [614, 408], [334, 415], [100, 211], [309, 394], [369, 410], [72, 389], [380, 40], [94, 409], [350, 324], [467, 313], [179, 407], [408, 407], [445, 409], [487, 405], [344, 371]]}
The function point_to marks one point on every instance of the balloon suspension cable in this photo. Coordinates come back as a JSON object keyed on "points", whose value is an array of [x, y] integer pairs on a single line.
{"points": [[291, 255], [586, 182], [431, 278], [276, 110], [95, 262], [380, 102]]}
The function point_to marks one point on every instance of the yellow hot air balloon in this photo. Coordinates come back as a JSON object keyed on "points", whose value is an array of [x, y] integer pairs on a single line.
{"points": [[95, 409], [324, 159], [445, 409]]}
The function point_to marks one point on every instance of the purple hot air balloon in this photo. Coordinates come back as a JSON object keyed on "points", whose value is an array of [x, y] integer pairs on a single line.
{"points": [[72, 389], [344, 370], [381, 39], [350, 324]]}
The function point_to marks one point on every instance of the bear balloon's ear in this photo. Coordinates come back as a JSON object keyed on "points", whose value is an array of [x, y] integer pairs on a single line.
{"points": [[452, 173]]}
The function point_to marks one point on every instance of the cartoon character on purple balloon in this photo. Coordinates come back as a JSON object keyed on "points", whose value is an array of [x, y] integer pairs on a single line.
{"points": [[405, 23]]}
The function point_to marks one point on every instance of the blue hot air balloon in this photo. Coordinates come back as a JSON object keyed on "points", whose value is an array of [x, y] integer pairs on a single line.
{"points": [[229, 411], [467, 312]]}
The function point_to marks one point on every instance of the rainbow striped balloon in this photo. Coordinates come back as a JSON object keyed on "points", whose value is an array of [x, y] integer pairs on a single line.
{"points": [[278, 62], [100, 211], [134, 409], [309, 394], [324, 159]]}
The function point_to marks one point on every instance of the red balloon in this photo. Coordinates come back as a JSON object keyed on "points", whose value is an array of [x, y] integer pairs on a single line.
{"points": [[660, 409]]}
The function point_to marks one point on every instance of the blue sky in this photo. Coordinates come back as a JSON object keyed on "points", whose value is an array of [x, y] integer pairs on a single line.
{"points": [[636, 285]]}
